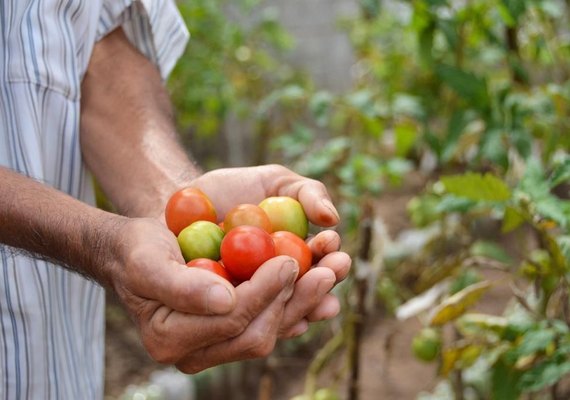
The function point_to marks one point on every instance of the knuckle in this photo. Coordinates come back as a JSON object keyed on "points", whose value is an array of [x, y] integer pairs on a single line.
{"points": [[162, 354], [159, 347], [260, 345], [235, 327]]}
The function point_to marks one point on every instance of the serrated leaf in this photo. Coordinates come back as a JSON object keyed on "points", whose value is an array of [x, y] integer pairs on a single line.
{"points": [[455, 306], [477, 187]]}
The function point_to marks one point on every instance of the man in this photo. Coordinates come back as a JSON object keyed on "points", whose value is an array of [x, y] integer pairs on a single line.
{"points": [[82, 90]]}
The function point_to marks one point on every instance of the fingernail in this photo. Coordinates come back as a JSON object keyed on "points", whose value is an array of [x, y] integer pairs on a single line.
{"points": [[287, 274], [329, 205], [220, 300]]}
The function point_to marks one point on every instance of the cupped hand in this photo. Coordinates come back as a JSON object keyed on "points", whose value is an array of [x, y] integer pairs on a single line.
{"points": [[228, 187], [190, 317], [311, 300]]}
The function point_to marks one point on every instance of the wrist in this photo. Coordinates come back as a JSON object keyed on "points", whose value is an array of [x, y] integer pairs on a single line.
{"points": [[103, 238]]}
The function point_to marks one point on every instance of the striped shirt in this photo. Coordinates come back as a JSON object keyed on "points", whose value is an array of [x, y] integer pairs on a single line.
{"points": [[51, 319]]}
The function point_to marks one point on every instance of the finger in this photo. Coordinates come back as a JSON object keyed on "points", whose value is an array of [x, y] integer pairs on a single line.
{"points": [[309, 292], [297, 330], [312, 194], [323, 243], [328, 308], [192, 290], [257, 340], [171, 335], [317, 203], [339, 262]]}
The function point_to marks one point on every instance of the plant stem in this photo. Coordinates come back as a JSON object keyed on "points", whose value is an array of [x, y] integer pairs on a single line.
{"points": [[361, 285]]}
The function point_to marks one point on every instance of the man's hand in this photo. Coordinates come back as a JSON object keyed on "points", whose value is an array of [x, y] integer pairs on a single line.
{"points": [[190, 317], [311, 300]]}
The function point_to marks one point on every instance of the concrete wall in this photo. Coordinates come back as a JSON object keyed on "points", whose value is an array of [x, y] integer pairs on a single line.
{"points": [[321, 47]]}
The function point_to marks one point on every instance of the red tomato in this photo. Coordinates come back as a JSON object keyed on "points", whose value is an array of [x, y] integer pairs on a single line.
{"points": [[187, 206], [244, 249], [289, 244], [210, 265], [247, 214]]}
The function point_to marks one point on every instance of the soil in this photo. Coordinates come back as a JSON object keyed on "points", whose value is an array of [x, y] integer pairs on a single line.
{"points": [[388, 368]]}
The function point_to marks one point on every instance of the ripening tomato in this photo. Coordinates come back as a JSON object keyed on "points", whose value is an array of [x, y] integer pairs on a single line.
{"points": [[187, 206], [244, 249], [201, 239], [289, 244], [210, 265], [426, 345], [286, 214], [247, 214]]}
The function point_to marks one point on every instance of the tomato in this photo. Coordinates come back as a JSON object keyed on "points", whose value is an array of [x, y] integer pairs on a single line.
{"points": [[244, 249], [426, 345], [187, 206], [289, 244], [286, 214], [247, 214], [201, 239], [210, 265]]}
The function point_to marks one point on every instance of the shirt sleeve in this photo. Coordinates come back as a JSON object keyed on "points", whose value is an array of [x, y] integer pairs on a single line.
{"points": [[155, 27]]}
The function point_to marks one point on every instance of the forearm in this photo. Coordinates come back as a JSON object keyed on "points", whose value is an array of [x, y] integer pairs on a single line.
{"points": [[128, 138], [52, 225]]}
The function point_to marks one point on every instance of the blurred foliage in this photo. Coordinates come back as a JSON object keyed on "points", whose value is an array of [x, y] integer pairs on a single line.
{"points": [[474, 95], [233, 61]]}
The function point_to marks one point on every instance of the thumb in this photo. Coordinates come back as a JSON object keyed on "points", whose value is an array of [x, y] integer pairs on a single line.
{"points": [[195, 291]]}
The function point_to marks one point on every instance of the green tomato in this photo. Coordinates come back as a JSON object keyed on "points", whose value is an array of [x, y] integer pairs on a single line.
{"points": [[286, 214], [201, 239], [426, 345]]}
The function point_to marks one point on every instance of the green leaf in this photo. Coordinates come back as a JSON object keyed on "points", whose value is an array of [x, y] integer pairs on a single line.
{"points": [[406, 135], [543, 375], [512, 10], [512, 219], [320, 105], [466, 84], [451, 204], [477, 187], [504, 382], [490, 250], [535, 341], [560, 174], [564, 244]]}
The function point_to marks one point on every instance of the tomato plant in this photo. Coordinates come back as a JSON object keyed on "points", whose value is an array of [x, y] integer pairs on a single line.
{"points": [[201, 240], [210, 265], [286, 214], [289, 244], [244, 249], [247, 214], [186, 206]]}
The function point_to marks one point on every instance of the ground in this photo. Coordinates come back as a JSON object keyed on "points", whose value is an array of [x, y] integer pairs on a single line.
{"points": [[389, 370]]}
